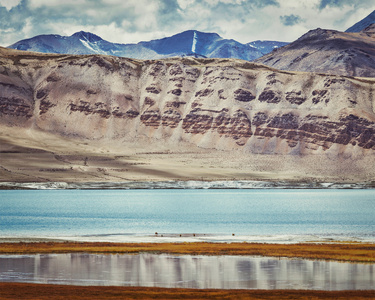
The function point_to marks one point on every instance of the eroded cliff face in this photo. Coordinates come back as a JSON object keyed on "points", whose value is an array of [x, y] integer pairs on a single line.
{"points": [[212, 103]]}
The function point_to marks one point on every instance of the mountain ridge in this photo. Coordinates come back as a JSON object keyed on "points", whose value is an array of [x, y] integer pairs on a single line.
{"points": [[180, 44]]}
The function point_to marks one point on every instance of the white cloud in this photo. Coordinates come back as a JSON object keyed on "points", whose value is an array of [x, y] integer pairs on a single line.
{"points": [[119, 5], [135, 20], [110, 32], [9, 4], [331, 17], [9, 36], [296, 4], [355, 16], [28, 28], [326, 18], [54, 3], [185, 3], [146, 17], [216, 2], [122, 2]]}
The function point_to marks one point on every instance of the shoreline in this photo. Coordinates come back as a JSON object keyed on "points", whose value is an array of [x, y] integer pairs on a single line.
{"points": [[49, 291], [344, 251], [166, 238], [185, 184]]}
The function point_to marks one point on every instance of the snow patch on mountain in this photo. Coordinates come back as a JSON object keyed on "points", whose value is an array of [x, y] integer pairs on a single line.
{"points": [[195, 39], [87, 45], [266, 47]]}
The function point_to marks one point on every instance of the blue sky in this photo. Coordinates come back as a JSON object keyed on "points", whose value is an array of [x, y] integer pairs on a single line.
{"points": [[131, 21]]}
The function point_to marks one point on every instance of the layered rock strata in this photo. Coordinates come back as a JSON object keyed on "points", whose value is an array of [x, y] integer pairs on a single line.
{"points": [[212, 103]]}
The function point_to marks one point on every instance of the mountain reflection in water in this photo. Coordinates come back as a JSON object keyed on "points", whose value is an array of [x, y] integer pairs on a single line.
{"points": [[186, 271]]}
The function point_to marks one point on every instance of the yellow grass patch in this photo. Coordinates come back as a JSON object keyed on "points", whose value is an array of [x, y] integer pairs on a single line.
{"points": [[349, 252]]}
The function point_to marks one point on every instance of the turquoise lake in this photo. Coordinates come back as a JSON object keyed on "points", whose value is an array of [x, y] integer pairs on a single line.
{"points": [[213, 215]]}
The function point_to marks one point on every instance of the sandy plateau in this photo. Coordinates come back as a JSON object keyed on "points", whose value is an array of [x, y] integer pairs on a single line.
{"points": [[35, 156]]}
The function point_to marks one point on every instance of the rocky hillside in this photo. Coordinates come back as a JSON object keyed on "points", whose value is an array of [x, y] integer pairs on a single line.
{"points": [[220, 104], [103, 118], [328, 51]]}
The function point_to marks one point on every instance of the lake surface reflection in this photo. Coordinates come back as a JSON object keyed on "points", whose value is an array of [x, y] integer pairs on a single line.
{"points": [[186, 271]]}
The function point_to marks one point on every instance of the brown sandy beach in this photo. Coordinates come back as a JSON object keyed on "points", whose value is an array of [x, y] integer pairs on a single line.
{"points": [[44, 291]]}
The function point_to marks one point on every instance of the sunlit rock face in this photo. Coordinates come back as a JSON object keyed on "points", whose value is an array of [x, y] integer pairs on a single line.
{"points": [[212, 103]]}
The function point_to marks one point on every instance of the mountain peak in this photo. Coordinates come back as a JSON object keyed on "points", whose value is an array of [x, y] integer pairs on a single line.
{"points": [[327, 51], [192, 32], [186, 42], [87, 36], [316, 34]]}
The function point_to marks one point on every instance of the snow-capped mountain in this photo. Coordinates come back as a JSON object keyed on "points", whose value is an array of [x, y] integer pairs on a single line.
{"points": [[82, 43], [266, 46], [364, 23], [198, 43], [187, 43]]}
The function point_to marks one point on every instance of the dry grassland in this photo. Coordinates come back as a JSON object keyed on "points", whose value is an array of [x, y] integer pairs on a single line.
{"points": [[348, 252]]}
